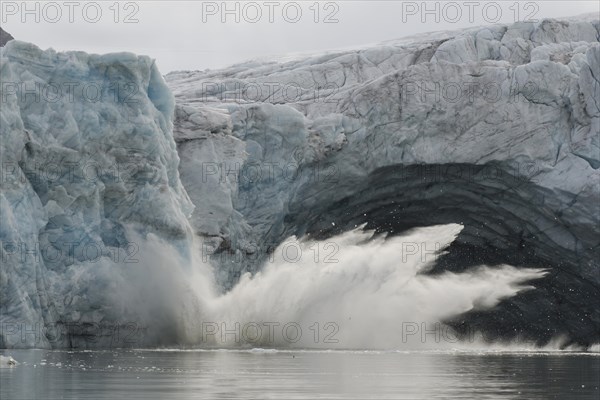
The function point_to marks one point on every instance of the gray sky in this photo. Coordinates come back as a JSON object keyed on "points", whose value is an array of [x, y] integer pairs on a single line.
{"points": [[195, 35]]}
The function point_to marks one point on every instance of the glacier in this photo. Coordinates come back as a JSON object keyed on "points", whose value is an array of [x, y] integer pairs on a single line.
{"points": [[89, 163], [496, 128], [106, 162]]}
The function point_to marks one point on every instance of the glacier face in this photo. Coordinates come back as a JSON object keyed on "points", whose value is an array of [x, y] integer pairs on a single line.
{"points": [[89, 174], [496, 128], [107, 178]]}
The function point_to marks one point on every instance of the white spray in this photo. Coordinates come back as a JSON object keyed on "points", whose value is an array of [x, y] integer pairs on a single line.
{"points": [[350, 291]]}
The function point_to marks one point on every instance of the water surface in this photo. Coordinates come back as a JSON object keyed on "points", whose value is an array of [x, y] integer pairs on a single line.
{"points": [[272, 374]]}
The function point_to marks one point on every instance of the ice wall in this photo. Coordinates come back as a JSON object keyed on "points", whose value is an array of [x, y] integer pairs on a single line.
{"points": [[89, 179], [495, 127]]}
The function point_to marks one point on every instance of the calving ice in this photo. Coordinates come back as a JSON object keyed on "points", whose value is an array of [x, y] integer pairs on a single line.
{"points": [[218, 242], [399, 219], [514, 172]]}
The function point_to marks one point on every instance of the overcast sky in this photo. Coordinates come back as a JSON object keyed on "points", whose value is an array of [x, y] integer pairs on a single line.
{"points": [[195, 35]]}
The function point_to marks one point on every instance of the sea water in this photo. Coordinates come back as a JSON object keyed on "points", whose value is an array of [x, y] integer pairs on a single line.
{"points": [[299, 374]]}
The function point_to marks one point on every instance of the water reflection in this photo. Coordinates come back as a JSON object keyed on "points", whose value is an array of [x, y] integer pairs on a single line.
{"points": [[298, 375]]}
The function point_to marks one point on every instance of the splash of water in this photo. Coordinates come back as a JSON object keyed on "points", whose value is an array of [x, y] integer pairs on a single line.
{"points": [[356, 291], [352, 291]]}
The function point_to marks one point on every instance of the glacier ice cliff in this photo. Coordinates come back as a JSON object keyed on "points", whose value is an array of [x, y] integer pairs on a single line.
{"points": [[89, 176], [496, 128], [105, 162]]}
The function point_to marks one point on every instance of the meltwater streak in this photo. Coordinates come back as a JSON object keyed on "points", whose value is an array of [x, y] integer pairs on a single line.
{"points": [[369, 294]]}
